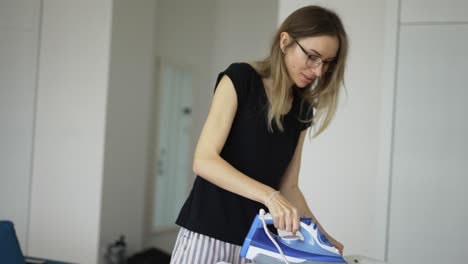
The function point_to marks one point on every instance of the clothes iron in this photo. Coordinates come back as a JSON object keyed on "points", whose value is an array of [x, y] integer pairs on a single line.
{"points": [[262, 246]]}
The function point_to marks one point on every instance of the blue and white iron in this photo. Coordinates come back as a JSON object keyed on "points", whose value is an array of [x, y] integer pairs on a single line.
{"points": [[262, 246]]}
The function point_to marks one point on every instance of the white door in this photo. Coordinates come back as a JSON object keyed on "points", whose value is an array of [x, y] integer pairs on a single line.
{"points": [[172, 166]]}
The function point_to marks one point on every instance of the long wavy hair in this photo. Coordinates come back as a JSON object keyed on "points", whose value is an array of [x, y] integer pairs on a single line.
{"points": [[322, 94]]}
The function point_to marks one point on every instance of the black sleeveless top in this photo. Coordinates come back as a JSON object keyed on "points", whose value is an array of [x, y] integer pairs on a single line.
{"points": [[251, 149]]}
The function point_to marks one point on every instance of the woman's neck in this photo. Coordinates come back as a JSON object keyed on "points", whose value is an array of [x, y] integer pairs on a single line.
{"points": [[268, 86]]}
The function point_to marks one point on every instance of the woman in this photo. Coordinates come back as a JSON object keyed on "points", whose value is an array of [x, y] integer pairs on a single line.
{"points": [[249, 151]]}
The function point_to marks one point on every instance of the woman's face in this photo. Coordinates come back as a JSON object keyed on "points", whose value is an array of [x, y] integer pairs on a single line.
{"points": [[309, 62]]}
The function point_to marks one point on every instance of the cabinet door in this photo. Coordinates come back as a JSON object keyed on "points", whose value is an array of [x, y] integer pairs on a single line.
{"points": [[19, 34], [429, 201]]}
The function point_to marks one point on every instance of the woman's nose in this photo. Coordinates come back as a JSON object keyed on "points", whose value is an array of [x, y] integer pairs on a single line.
{"points": [[318, 71]]}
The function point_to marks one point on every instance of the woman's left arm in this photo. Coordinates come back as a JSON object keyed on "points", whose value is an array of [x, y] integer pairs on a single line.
{"points": [[289, 188]]}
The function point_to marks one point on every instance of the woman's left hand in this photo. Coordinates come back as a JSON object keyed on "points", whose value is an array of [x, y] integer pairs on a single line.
{"points": [[336, 244]]}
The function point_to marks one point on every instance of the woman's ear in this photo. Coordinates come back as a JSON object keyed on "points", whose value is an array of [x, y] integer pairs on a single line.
{"points": [[284, 41]]}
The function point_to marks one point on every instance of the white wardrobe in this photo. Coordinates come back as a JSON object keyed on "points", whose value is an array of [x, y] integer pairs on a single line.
{"points": [[19, 31], [428, 213]]}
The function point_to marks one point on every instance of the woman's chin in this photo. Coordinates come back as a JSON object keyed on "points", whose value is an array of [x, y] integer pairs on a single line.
{"points": [[302, 84]]}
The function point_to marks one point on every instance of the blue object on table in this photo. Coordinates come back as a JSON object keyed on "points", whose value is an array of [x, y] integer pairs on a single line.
{"points": [[10, 250]]}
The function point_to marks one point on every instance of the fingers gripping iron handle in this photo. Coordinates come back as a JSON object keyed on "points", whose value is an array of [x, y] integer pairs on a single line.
{"points": [[269, 219], [305, 221]]}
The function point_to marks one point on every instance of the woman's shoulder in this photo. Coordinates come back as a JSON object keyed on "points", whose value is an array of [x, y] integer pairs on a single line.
{"points": [[244, 78], [241, 74], [243, 68]]}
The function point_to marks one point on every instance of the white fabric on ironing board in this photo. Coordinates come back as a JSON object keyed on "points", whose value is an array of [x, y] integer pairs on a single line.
{"points": [[356, 259]]}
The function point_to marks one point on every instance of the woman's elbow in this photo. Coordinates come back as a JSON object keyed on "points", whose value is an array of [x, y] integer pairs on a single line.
{"points": [[199, 165], [196, 166], [202, 164]]}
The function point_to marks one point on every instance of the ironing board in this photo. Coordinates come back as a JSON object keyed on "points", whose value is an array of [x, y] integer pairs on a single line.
{"points": [[356, 259]]}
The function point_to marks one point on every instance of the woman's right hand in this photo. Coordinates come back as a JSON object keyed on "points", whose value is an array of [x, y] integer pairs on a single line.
{"points": [[285, 215]]}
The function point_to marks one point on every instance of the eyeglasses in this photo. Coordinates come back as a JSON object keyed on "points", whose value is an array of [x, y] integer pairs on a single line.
{"points": [[314, 61]]}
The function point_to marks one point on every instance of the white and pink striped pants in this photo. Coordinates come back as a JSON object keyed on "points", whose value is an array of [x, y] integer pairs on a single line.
{"points": [[191, 248]]}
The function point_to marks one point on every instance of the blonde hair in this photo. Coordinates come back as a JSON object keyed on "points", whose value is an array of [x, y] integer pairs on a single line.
{"points": [[322, 95]]}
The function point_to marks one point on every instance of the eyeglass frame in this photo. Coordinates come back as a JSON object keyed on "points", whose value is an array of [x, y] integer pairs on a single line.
{"points": [[329, 64]]}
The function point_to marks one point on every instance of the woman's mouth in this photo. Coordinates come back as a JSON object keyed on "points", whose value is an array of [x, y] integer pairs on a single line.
{"points": [[307, 79]]}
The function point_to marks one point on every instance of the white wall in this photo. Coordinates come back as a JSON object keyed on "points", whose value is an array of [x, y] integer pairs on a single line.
{"points": [[70, 129], [339, 168], [129, 104], [433, 11], [19, 29], [185, 35], [243, 33]]}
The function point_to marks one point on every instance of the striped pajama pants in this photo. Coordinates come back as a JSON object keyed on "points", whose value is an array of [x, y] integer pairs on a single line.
{"points": [[191, 248]]}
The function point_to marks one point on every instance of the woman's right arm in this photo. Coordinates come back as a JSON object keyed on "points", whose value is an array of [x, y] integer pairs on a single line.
{"points": [[207, 161]]}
